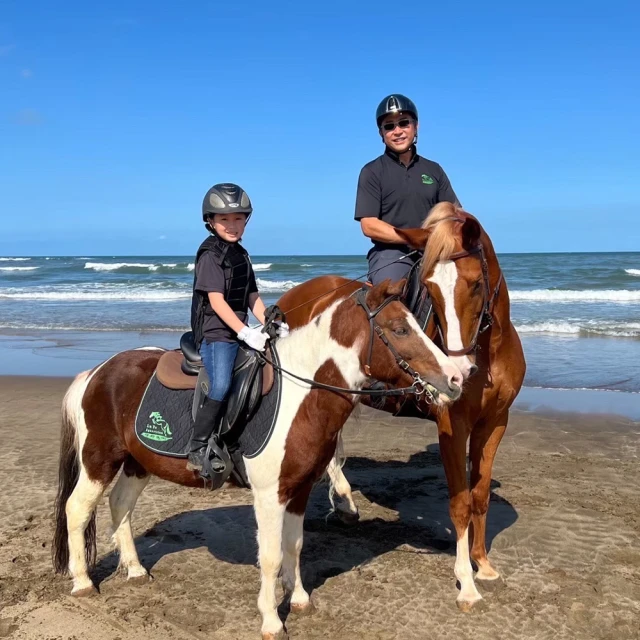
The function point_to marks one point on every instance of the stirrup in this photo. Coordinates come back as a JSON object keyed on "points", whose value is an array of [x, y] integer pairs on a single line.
{"points": [[217, 465]]}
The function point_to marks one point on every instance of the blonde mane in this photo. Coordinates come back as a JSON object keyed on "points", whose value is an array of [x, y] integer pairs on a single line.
{"points": [[443, 241]]}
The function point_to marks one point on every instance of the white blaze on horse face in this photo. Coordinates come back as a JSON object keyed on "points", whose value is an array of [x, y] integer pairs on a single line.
{"points": [[449, 368], [445, 275]]}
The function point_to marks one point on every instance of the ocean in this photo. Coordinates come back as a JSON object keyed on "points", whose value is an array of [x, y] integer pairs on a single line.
{"points": [[578, 314]]}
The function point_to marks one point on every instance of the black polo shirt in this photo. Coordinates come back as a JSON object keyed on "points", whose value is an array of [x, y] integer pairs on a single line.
{"points": [[399, 195]]}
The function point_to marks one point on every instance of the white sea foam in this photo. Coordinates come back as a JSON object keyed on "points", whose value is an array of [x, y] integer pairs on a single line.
{"points": [[124, 293], [116, 266], [18, 268], [633, 272], [586, 327], [275, 285], [262, 266], [14, 259], [587, 295]]}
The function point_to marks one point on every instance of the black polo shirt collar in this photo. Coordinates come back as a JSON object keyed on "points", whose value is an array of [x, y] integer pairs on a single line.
{"points": [[396, 157]]}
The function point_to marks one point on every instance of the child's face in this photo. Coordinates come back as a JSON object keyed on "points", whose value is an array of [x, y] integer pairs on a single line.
{"points": [[229, 226]]}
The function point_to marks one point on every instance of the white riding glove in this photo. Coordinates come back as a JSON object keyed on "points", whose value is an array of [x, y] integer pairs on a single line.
{"points": [[283, 330], [254, 337]]}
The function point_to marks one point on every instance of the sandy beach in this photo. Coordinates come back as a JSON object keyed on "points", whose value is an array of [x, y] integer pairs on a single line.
{"points": [[564, 530]]}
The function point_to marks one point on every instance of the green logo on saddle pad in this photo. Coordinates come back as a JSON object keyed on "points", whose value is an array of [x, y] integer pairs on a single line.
{"points": [[158, 429], [426, 179]]}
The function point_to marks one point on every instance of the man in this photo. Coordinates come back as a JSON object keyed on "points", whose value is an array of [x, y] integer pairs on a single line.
{"points": [[397, 189]]}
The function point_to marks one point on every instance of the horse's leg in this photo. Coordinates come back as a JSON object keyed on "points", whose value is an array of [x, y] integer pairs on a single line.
{"points": [[270, 518], [122, 501], [453, 444], [485, 438], [80, 509], [292, 546], [346, 508]]}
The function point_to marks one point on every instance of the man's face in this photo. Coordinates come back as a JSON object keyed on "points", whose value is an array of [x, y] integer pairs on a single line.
{"points": [[398, 131], [229, 226]]}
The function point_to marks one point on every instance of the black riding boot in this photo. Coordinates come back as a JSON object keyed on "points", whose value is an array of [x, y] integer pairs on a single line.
{"points": [[202, 429]]}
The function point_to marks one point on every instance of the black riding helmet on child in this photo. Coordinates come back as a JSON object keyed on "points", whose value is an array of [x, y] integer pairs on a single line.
{"points": [[225, 197]]}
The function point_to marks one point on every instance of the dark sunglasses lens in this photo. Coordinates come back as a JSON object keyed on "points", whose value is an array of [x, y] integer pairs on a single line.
{"points": [[403, 124]]}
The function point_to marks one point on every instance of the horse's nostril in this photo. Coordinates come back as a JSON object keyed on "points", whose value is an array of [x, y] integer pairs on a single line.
{"points": [[473, 369]]}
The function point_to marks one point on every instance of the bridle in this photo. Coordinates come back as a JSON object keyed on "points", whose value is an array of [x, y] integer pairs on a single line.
{"points": [[489, 298], [419, 387]]}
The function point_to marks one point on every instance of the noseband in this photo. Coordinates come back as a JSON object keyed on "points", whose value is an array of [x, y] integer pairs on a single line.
{"points": [[375, 329], [488, 301]]}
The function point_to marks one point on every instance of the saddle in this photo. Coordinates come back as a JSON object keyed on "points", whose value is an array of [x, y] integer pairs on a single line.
{"points": [[252, 379], [416, 297]]}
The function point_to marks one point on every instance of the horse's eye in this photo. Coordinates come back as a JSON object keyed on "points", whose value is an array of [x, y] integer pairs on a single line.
{"points": [[401, 331], [477, 286]]}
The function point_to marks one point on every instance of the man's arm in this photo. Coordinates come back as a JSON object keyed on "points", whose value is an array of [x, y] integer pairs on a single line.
{"points": [[380, 231]]}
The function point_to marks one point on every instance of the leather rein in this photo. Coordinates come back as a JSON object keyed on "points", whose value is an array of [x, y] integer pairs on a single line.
{"points": [[418, 388]]}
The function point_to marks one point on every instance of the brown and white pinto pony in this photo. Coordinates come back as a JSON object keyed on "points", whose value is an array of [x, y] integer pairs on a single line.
{"points": [[98, 439], [471, 306]]}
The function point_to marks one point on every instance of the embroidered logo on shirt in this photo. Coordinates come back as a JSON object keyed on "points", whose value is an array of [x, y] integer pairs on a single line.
{"points": [[426, 179]]}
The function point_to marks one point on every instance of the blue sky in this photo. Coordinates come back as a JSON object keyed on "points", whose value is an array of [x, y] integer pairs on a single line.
{"points": [[115, 118]]}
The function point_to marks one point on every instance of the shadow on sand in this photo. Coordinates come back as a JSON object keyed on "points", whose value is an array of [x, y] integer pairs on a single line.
{"points": [[416, 490]]}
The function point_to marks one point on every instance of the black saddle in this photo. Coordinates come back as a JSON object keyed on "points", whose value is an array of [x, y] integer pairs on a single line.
{"points": [[252, 379], [416, 298]]}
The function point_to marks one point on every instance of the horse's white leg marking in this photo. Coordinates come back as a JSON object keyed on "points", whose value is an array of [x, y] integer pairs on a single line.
{"points": [[445, 276], [469, 594], [340, 486], [79, 508], [122, 502], [86, 494], [291, 547], [270, 518]]}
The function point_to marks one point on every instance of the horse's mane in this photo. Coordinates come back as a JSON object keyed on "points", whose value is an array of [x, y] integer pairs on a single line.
{"points": [[443, 240]]}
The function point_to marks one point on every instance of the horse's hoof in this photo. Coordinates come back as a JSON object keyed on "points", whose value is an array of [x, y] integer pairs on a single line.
{"points": [[467, 606], [303, 610], [487, 574], [143, 579], [281, 635], [87, 592], [491, 584], [347, 517]]}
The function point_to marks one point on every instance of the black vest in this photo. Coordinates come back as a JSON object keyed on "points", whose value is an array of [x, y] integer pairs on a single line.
{"points": [[237, 277]]}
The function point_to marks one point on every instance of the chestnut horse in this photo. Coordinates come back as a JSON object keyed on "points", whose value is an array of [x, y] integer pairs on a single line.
{"points": [[356, 339], [471, 323]]}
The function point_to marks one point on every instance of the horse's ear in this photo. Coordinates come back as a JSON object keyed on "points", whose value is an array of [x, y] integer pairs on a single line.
{"points": [[380, 292], [471, 232], [416, 238]]}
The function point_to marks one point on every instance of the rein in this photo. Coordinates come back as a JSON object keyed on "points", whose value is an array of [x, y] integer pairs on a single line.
{"points": [[419, 386]]}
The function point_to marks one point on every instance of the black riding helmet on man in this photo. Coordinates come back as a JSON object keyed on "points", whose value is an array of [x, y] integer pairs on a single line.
{"points": [[397, 189]]}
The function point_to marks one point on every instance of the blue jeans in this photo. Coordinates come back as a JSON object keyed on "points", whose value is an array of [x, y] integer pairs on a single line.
{"points": [[218, 359]]}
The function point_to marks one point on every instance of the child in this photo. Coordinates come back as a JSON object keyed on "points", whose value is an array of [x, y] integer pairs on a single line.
{"points": [[224, 289]]}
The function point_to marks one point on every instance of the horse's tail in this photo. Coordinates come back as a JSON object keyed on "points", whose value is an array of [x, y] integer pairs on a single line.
{"points": [[68, 473]]}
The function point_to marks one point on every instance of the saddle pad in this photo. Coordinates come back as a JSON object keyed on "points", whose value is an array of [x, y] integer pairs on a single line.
{"points": [[255, 436], [163, 421]]}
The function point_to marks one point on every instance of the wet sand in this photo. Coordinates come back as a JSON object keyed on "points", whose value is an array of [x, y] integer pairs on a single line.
{"points": [[564, 530]]}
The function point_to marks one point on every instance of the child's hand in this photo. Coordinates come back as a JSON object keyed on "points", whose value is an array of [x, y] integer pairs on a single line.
{"points": [[254, 337]]}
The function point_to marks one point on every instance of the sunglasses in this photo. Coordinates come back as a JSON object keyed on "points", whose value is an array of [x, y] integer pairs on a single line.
{"points": [[405, 123]]}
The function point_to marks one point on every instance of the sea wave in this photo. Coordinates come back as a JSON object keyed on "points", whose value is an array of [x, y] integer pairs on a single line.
{"points": [[123, 266], [586, 295], [142, 295], [18, 268], [262, 266], [275, 285], [14, 259], [633, 272], [585, 328]]}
